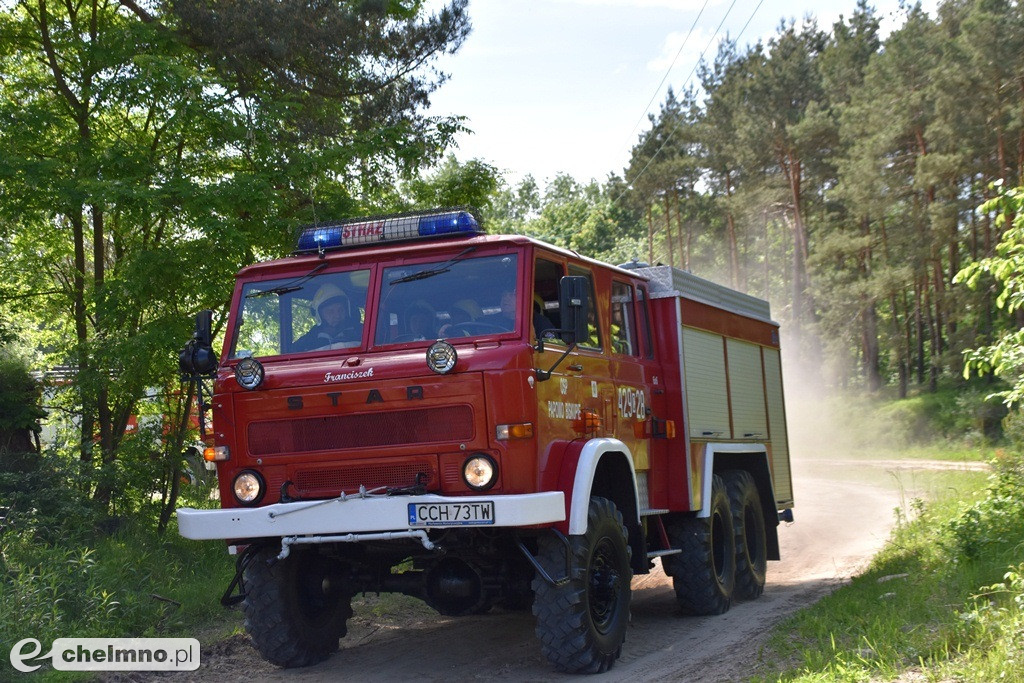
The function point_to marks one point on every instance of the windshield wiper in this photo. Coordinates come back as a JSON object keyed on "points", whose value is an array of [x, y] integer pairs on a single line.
{"points": [[291, 286], [436, 270]]}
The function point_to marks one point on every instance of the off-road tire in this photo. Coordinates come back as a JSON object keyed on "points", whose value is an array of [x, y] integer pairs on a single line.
{"points": [[704, 573], [582, 624], [295, 608], [751, 540]]}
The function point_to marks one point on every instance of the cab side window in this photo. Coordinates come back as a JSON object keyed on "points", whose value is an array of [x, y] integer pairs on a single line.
{"points": [[545, 313], [645, 320], [593, 340], [623, 320]]}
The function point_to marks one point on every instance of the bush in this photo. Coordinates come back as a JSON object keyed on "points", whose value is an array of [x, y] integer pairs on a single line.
{"points": [[995, 524], [19, 414], [130, 584], [963, 413]]}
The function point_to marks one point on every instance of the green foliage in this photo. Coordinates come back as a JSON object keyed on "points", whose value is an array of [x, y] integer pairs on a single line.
{"points": [[68, 569], [949, 414], [995, 523], [147, 154], [1005, 358], [953, 420], [452, 184], [931, 604], [108, 586], [19, 398]]}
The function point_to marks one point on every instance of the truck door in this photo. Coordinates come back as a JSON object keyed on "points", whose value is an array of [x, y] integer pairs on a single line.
{"points": [[581, 383], [632, 393]]}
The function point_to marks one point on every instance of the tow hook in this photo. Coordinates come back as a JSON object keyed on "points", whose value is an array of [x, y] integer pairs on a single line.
{"points": [[536, 565], [244, 558]]}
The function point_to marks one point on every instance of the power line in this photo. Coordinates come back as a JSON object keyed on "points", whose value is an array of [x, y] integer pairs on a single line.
{"points": [[692, 71], [675, 127], [668, 71]]}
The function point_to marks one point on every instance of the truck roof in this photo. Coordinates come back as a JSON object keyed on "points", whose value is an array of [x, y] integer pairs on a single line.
{"points": [[389, 250], [668, 281]]}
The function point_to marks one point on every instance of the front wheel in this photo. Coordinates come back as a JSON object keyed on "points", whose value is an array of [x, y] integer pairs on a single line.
{"points": [[582, 623], [295, 608]]}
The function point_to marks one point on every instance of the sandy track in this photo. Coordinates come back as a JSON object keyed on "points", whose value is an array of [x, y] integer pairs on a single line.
{"points": [[844, 513]]}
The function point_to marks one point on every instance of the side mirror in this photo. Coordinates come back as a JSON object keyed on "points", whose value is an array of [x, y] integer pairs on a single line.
{"points": [[204, 328], [574, 307]]}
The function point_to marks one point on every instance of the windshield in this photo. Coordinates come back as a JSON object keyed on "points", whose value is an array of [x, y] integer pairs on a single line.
{"points": [[455, 298], [309, 313]]}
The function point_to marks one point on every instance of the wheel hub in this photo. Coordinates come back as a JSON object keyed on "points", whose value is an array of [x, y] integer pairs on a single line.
{"points": [[603, 585]]}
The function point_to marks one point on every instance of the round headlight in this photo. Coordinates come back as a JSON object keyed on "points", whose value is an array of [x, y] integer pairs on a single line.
{"points": [[480, 472], [249, 373], [441, 357], [248, 487]]}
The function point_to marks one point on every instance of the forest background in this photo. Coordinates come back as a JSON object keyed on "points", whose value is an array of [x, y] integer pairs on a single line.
{"points": [[149, 150]]}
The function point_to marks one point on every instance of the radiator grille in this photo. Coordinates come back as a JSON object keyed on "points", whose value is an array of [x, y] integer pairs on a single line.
{"points": [[368, 430], [349, 479]]}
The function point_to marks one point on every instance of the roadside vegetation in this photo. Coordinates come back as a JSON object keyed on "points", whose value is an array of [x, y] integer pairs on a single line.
{"points": [[943, 601]]}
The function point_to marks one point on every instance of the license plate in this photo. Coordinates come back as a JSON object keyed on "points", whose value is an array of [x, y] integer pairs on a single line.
{"points": [[451, 514]]}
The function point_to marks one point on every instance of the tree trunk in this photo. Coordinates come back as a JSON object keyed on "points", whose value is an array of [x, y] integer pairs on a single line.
{"points": [[730, 235], [684, 247], [919, 326], [869, 343], [650, 236], [793, 170], [668, 231], [173, 448]]}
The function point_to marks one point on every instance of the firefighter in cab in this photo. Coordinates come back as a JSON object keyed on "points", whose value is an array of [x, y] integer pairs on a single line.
{"points": [[335, 327]]}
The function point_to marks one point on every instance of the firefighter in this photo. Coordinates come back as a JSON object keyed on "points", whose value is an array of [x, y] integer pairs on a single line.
{"points": [[335, 325], [422, 321], [462, 313]]}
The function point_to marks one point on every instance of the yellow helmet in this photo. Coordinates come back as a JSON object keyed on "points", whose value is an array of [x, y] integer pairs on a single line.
{"points": [[469, 307]]}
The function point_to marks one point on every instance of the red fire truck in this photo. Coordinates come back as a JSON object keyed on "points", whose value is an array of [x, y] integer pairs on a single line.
{"points": [[410, 405]]}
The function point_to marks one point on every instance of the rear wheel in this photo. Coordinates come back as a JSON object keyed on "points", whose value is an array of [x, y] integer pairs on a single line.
{"points": [[582, 624], [295, 608], [748, 524], [704, 573]]}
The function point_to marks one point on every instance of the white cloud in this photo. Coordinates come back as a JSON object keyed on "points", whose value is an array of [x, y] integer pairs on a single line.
{"points": [[699, 41]]}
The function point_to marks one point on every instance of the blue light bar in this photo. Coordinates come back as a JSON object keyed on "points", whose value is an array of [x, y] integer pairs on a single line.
{"points": [[388, 229]]}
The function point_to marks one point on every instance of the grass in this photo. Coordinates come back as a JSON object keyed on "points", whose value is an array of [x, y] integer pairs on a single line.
{"points": [[944, 601], [130, 584]]}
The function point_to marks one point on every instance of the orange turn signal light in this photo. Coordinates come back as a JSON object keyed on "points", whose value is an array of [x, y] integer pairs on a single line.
{"points": [[588, 422], [520, 430], [216, 454]]}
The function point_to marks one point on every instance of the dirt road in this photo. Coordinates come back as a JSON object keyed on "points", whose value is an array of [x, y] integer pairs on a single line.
{"points": [[844, 513]]}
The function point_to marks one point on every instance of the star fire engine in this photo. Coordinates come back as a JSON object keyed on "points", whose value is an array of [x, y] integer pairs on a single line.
{"points": [[409, 405]]}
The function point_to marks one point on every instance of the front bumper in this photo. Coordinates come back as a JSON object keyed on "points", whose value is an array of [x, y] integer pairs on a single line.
{"points": [[359, 515]]}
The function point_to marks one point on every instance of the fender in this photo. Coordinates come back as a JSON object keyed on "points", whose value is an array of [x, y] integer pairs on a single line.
{"points": [[581, 469], [709, 463]]}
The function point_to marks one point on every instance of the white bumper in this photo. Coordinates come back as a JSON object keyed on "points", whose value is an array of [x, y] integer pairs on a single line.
{"points": [[356, 515]]}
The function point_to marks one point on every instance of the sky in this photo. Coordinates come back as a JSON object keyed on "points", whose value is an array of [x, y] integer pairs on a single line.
{"points": [[552, 86]]}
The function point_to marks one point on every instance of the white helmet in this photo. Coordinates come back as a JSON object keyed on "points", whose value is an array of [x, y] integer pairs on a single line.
{"points": [[329, 293]]}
